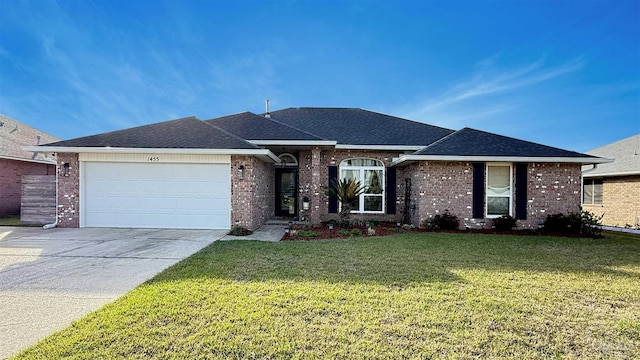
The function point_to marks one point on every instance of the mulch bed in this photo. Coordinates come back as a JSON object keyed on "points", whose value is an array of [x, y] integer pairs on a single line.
{"points": [[306, 233]]}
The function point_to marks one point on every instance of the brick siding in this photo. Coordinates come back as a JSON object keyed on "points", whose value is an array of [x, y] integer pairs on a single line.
{"points": [[437, 186], [69, 191], [11, 172], [552, 188], [252, 198], [620, 201], [313, 177]]}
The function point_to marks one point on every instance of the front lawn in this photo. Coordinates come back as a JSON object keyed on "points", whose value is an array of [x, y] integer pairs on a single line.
{"points": [[403, 296]]}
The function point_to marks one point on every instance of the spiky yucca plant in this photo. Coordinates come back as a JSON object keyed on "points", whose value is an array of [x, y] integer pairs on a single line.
{"points": [[347, 191]]}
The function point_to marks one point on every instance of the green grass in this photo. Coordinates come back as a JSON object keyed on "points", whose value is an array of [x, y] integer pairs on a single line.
{"points": [[11, 220], [403, 296]]}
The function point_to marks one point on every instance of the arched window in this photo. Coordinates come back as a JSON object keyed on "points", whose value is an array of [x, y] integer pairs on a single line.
{"points": [[287, 159], [370, 173]]}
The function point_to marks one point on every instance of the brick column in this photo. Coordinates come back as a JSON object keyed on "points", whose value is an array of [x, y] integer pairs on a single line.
{"points": [[68, 191], [316, 186]]}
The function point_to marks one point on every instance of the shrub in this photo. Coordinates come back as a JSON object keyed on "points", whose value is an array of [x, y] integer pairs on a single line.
{"points": [[343, 232], [373, 223], [308, 233], [371, 231], [504, 223], [556, 223], [240, 231], [446, 221], [578, 223], [355, 232], [356, 222]]}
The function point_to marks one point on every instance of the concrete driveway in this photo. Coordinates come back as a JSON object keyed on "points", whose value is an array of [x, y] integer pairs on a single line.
{"points": [[48, 278]]}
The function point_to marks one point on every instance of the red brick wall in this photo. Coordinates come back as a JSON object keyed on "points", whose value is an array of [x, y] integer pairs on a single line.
{"points": [[437, 186], [441, 186], [552, 188], [311, 168], [69, 191], [252, 198], [11, 172]]}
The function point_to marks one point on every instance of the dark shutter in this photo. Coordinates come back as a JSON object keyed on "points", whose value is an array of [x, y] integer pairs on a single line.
{"points": [[391, 190], [333, 200], [478, 191], [521, 191]]}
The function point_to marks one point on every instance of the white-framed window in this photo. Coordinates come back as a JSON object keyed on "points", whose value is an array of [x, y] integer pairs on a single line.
{"points": [[370, 173], [499, 190], [592, 191]]}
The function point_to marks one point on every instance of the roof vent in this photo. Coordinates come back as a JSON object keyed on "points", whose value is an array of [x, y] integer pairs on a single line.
{"points": [[267, 114]]}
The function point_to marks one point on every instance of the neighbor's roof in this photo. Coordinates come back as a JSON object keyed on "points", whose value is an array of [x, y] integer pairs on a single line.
{"points": [[14, 135], [352, 126], [471, 142], [185, 133], [250, 126], [626, 155]]}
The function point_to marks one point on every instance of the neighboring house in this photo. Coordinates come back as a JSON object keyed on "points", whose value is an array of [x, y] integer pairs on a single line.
{"points": [[245, 169], [613, 189], [15, 162]]}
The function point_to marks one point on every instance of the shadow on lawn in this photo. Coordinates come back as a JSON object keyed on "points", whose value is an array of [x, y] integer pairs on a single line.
{"points": [[404, 259]]}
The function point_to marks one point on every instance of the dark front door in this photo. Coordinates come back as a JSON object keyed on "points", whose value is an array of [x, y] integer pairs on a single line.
{"points": [[286, 192]]}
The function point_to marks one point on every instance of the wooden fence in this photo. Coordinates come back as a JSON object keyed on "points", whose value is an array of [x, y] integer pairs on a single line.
{"points": [[38, 204]]}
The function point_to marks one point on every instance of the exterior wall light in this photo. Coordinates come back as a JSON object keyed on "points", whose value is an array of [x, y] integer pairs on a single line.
{"points": [[241, 172], [305, 203], [65, 169]]}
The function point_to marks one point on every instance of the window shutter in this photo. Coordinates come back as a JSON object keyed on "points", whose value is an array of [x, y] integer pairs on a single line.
{"points": [[521, 191], [333, 200], [478, 191], [390, 188]]}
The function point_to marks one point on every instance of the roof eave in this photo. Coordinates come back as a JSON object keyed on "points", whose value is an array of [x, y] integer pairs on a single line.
{"points": [[263, 154], [587, 174], [407, 159], [38, 161], [380, 147]]}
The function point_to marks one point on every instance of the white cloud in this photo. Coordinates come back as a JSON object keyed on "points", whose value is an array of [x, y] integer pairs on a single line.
{"points": [[488, 82]]}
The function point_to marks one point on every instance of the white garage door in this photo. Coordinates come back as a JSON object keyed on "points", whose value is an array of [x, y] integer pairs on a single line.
{"points": [[143, 195]]}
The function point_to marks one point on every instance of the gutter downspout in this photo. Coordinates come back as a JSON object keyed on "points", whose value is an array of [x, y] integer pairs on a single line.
{"points": [[55, 223]]}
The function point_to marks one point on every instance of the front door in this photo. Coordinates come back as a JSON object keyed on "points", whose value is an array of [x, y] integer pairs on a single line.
{"points": [[286, 192]]}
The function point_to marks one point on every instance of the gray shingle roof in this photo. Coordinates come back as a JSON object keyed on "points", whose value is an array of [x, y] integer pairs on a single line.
{"points": [[471, 142], [250, 126], [359, 127], [626, 155], [185, 133]]}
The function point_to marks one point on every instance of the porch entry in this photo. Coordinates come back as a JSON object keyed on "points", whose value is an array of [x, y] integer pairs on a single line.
{"points": [[286, 192]]}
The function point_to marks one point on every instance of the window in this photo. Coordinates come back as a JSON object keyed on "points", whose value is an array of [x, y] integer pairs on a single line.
{"points": [[498, 190], [287, 159], [592, 192], [370, 173]]}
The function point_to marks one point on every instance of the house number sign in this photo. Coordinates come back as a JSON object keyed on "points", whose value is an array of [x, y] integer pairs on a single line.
{"points": [[153, 158]]}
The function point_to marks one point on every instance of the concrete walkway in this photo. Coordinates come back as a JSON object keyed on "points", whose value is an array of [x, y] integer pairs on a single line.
{"points": [[48, 278], [271, 233]]}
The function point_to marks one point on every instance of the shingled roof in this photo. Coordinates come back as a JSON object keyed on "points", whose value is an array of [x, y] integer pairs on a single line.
{"points": [[471, 142], [360, 127], [250, 126], [626, 155], [185, 133], [14, 135]]}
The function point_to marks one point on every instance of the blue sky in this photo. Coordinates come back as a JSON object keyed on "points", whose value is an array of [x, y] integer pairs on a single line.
{"points": [[561, 73]]}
